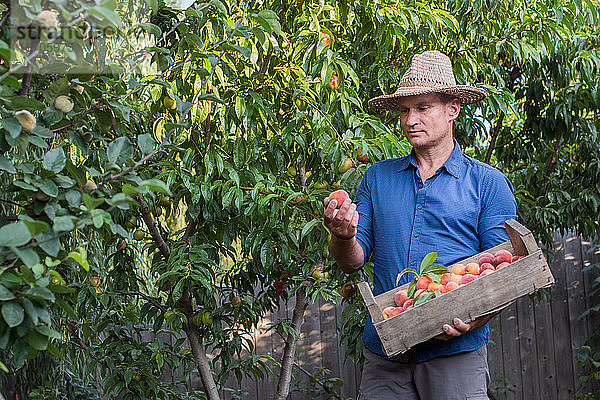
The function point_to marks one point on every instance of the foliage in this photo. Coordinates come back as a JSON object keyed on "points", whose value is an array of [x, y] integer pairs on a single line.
{"points": [[186, 172]]}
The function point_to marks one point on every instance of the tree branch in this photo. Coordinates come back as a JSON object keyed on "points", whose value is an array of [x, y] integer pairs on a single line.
{"points": [[197, 347], [287, 362], [495, 132], [146, 297], [152, 228], [305, 372]]}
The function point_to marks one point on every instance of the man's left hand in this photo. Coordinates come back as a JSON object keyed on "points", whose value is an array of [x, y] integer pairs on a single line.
{"points": [[461, 327]]}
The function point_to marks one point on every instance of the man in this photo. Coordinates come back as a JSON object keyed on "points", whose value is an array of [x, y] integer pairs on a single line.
{"points": [[435, 199]]}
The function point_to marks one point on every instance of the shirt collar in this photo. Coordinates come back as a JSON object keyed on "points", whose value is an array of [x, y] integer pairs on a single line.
{"points": [[453, 164]]}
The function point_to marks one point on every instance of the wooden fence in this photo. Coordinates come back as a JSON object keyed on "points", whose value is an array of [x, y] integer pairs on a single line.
{"points": [[531, 353]]}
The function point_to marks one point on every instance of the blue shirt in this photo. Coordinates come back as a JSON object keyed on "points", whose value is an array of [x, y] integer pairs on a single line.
{"points": [[458, 212]]}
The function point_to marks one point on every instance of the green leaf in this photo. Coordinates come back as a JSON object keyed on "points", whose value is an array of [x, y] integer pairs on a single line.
{"points": [[54, 160], [437, 269], [13, 314], [26, 103], [28, 256], [146, 143], [12, 126], [107, 15], [47, 331], [427, 261], [405, 271], [47, 186], [151, 28], [63, 223], [7, 165], [269, 21], [15, 234], [81, 257], [6, 294], [36, 340], [3, 367], [40, 293], [308, 227], [49, 242], [156, 185], [119, 150]]}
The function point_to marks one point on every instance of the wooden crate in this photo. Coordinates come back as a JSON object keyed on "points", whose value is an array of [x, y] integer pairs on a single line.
{"points": [[482, 296]]}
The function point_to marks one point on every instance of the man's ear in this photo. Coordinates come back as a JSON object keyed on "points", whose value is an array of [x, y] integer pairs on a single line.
{"points": [[453, 109]]}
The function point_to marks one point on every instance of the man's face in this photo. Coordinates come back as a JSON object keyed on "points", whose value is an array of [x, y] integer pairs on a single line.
{"points": [[426, 121]]}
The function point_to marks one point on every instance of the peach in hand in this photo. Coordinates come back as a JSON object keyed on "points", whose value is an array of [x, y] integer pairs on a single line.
{"points": [[339, 196]]}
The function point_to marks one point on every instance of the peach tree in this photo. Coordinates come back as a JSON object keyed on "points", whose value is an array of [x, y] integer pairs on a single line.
{"points": [[164, 166]]}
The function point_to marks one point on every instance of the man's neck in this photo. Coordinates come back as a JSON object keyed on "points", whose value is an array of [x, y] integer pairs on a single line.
{"points": [[430, 159]]}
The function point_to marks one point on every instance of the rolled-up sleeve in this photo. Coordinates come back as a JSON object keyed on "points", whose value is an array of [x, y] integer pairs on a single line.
{"points": [[498, 206], [364, 206]]}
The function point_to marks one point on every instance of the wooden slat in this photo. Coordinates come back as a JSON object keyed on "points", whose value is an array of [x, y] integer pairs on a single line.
{"points": [[528, 349], [370, 303], [495, 359], [348, 368], [330, 337], [521, 238], [591, 256], [511, 354], [560, 321], [576, 299], [544, 331], [468, 302]]}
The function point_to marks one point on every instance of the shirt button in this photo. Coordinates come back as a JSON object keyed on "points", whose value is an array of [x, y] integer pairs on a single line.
{"points": [[416, 235], [419, 206], [412, 263]]}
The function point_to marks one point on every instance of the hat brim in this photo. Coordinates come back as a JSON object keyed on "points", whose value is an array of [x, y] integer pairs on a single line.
{"points": [[466, 94]]}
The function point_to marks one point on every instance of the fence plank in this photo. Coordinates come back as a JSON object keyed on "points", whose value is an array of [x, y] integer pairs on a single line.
{"points": [[495, 360], [528, 349], [591, 257], [330, 338], [546, 360], [576, 299], [560, 318], [510, 349]]}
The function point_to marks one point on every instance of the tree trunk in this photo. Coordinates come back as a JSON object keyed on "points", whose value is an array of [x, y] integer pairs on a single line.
{"points": [[287, 362]]}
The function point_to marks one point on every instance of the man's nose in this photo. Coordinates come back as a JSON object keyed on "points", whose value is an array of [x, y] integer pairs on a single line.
{"points": [[412, 117]]}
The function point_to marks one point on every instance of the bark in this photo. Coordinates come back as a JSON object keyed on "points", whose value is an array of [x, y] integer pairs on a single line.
{"points": [[153, 228], [287, 362], [198, 349]]}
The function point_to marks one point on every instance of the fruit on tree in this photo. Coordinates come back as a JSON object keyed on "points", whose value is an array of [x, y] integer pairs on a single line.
{"points": [[361, 156], [339, 196], [55, 280], [400, 297], [47, 19], [236, 301], [333, 83], [164, 201], [326, 40], [90, 185], [139, 234], [502, 256], [196, 319], [63, 103], [347, 165], [169, 103], [87, 136], [292, 171], [207, 318], [122, 245], [79, 88], [319, 273], [301, 198], [95, 281], [301, 103], [321, 185], [348, 289], [26, 119]]}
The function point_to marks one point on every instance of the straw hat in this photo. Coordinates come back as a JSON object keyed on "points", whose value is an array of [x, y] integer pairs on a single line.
{"points": [[429, 72]]}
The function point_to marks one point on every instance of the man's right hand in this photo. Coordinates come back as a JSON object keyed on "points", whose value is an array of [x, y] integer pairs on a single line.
{"points": [[341, 222]]}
